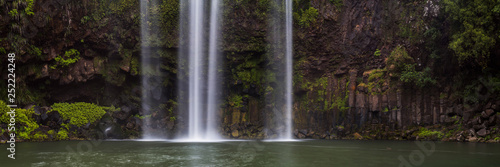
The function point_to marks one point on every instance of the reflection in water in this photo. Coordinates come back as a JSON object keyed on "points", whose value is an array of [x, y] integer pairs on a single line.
{"points": [[248, 153]]}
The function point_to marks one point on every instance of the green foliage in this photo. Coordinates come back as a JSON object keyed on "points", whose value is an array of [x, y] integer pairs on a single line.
{"points": [[169, 14], [121, 7], [134, 66], [235, 101], [397, 61], [340, 103], [376, 74], [39, 136], [139, 116], [35, 51], [337, 3], [111, 109], [25, 123], [248, 77], [426, 133], [305, 18], [71, 56], [419, 78], [321, 82], [29, 7], [142, 116], [377, 53], [173, 118], [449, 133], [376, 80], [385, 109], [249, 73], [84, 19], [471, 92], [13, 13], [62, 134], [79, 113], [475, 29]]}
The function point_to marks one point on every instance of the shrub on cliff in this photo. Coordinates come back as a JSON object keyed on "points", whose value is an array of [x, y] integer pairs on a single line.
{"points": [[305, 18], [419, 78], [475, 29], [397, 61], [70, 57]]}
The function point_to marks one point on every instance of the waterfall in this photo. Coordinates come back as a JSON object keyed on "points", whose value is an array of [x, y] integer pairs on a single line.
{"points": [[213, 84], [281, 37], [196, 45], [202, 101], [146, 62], [289, 70]]}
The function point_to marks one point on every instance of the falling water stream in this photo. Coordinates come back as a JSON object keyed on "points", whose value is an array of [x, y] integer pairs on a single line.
{"points": [[203, 61], [146, 62], [289, 70], [196, 45], [213, 84], [281, 36]]}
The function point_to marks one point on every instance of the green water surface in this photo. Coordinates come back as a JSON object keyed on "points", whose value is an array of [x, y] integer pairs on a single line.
{"points": [[253, 153]]}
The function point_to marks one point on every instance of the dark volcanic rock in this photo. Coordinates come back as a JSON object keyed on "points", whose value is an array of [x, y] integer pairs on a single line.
{"points": [[489, 112], [482, 133]]}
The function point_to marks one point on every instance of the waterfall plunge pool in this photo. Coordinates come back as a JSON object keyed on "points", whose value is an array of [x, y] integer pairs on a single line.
{"points": [[254, 153]]}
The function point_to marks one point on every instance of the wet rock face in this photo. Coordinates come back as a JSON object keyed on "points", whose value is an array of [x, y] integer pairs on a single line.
{"points": [[82, 71]]}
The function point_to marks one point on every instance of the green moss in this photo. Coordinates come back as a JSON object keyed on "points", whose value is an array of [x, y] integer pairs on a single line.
{"points": [[25, 123], [169, 18], [79, 113], [62, 134], [248, 77], [39, 136], [449, 133], [341, 102], [426, 133], [112, 73], [320, 82], [248, 71]]}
